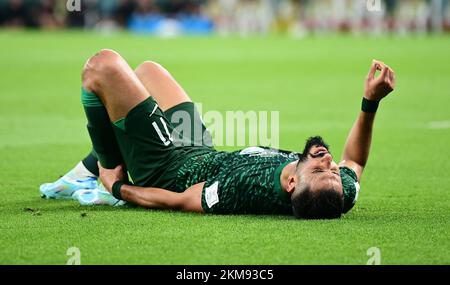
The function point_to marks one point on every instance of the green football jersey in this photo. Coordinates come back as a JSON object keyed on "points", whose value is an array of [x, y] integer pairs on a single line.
{"points": [[248, 181], [240, 182]]}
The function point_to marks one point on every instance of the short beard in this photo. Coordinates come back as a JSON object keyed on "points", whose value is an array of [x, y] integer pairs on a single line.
{"points": [[310, 143]]}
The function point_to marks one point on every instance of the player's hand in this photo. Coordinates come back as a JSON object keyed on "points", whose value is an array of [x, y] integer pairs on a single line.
{"points": [[379, 87], [109, 176]]}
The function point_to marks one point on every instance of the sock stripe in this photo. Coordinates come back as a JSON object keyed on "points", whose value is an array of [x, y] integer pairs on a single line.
{"points": [[120, 124], [89, 99]]}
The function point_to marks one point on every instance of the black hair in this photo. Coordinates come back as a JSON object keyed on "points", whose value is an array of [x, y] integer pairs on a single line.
{"points": [[318, 204], [310, 143]]}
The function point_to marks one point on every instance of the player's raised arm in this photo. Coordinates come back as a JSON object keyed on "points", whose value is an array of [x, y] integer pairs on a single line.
{"points": [[148, 197], [357, 147]]}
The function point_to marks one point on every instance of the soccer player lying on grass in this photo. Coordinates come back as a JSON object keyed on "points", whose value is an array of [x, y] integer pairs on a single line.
{"points": [[142, 125]]}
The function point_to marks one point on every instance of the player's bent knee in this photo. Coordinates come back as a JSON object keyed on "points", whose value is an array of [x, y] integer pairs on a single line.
{"points": [[87, 77], [103, 64], [150, 69], [107, 61], [107, 53]]}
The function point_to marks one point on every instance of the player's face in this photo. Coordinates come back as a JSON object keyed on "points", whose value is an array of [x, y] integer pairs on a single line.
{"points": [[319, 169]]}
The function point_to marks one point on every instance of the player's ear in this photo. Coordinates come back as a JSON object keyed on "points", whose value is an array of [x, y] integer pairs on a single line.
{"points": [[292, 182]]}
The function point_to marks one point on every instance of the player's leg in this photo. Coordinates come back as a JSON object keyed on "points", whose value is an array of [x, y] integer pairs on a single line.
{"points": [[121, 90], [141, 128], [173, 100], [104, 64], [188, 128], [162, 87], [89, 163], [160, 84], [111, 79], [167, 92], [170, 97], [100, 130]]}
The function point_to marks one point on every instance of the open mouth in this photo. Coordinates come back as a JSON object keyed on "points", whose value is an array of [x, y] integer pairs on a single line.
{"points": [[319, 152]]}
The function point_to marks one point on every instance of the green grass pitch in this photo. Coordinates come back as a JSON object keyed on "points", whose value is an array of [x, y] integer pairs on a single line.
{"points": [[315, 83]]}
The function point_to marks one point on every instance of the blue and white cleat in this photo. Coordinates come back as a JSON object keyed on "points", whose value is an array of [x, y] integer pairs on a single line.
{"points": [[64, 187], [98, 196]]}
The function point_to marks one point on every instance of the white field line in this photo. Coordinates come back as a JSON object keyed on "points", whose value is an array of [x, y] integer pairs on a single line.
{"points": [[439, 125]]}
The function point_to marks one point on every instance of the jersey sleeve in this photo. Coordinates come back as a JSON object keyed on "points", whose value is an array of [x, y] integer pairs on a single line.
{"points": [[350, 186]]}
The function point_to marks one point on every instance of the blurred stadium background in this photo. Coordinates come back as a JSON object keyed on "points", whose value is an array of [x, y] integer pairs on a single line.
{"points": [[243, 17]]}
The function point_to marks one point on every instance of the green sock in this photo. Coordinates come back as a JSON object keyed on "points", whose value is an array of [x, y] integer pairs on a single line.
{"points": [[100, 130], [90, 162]]}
